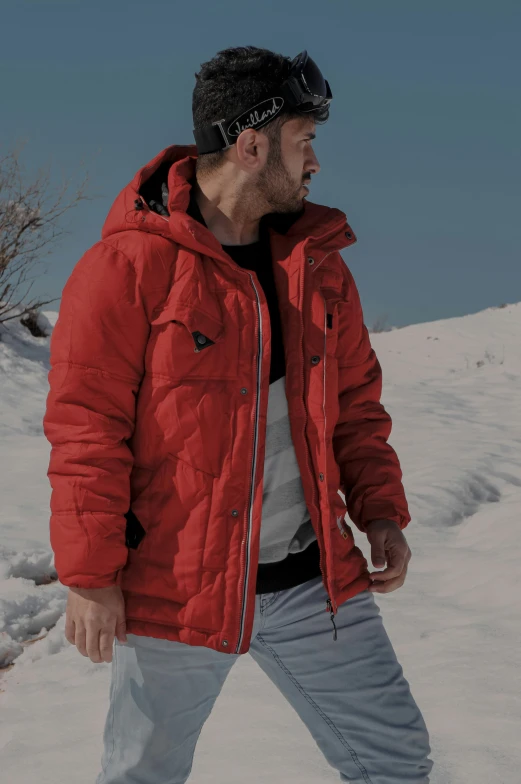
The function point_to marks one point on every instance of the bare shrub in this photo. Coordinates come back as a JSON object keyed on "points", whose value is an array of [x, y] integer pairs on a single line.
{"points": [[30, 216]]}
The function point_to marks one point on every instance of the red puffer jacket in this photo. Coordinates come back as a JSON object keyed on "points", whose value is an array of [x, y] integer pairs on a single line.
{"points": [[156, 414]]}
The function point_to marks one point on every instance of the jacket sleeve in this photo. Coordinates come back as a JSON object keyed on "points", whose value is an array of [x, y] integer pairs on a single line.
{"points": [[97, 362], [371, 478]]}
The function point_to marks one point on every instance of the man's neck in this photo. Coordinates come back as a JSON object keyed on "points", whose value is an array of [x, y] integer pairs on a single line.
{"points": [[226, 215]]}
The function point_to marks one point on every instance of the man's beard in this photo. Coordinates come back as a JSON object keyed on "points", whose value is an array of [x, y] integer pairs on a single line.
{"points": [[276, 186]]}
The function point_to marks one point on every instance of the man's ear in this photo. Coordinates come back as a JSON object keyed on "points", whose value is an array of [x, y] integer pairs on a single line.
{"points": [[252, 149]]}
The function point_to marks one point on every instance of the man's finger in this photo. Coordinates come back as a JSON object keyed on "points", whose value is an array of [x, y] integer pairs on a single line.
{"points": [[121, 629], [93, 643], [390, 573], [389, 586], [378, 556], [70, 632], [80, 640], [106, 641], [397, 563]]}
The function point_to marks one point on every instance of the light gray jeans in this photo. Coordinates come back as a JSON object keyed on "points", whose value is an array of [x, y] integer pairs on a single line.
{"points": [[368, 726]]}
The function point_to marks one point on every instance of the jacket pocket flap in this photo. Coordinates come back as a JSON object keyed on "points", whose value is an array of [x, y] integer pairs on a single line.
{"points": [[194, 318], [330, 283]]}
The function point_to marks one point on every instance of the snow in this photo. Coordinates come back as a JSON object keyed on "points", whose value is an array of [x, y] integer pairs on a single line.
{"points": [[453, 390]]}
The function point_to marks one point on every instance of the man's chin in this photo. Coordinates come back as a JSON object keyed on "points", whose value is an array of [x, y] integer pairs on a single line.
{"points": [[298, 204], [290, 209]]}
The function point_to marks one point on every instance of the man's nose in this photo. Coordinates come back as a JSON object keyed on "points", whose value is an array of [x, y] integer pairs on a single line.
{"points": [[313, 165]]}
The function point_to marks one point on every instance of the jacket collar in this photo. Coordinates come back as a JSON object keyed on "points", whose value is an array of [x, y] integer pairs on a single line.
{"points": [[314, 226]]}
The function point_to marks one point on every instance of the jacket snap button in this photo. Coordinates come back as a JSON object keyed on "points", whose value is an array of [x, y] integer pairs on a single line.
{"points": [[235, 513], [244, 391], [311, 260], [321, 477], [201, 339], [315, 360], [225, 643], [349, 235]]}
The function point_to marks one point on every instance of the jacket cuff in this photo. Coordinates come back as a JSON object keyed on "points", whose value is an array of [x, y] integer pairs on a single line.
{"points": [[383, 512], [89, 581]]}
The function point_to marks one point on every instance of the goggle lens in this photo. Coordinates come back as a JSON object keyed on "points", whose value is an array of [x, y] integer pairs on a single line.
{"points": [[314, 89]]}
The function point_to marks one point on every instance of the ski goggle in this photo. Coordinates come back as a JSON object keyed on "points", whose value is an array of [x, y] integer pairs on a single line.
{"points": [[305, 90]]}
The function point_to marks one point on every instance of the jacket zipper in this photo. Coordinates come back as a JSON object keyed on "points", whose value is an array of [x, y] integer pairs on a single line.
{"points": [[329, 602], [245, 556], [332, 615], [329, 606]]}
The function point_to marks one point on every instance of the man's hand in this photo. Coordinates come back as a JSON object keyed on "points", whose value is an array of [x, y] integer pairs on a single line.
{"points": [[93, 618], [388, 545]]}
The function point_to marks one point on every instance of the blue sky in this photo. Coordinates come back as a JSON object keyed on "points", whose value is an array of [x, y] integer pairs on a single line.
{"points": [[422, 150]]}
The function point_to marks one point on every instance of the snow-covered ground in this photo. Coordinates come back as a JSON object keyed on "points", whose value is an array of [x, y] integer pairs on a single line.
{"points": [[453, 388]]}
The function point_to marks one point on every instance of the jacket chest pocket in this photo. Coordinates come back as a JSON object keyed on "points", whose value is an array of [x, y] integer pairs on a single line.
{"points": [[330, 286], [189, 341], [331, 322]]}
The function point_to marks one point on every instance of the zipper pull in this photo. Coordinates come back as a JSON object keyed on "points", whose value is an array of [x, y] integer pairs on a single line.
{"points": [[330, 609]]}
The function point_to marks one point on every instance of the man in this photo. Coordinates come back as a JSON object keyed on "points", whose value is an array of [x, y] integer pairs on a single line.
{"points": [[211, 369]]}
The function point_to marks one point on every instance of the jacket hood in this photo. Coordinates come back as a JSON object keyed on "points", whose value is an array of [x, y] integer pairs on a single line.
{"points": [[139, 204]]}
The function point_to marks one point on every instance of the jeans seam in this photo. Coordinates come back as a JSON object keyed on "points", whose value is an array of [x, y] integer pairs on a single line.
{"points": [[112, 701], [270, 601], [320, 712]]}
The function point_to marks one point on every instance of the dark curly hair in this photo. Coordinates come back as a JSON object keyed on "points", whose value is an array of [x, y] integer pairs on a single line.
{"points": [[233, 81]]}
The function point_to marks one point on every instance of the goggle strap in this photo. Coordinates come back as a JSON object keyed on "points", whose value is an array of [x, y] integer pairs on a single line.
{"points": [[212, 138]]}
